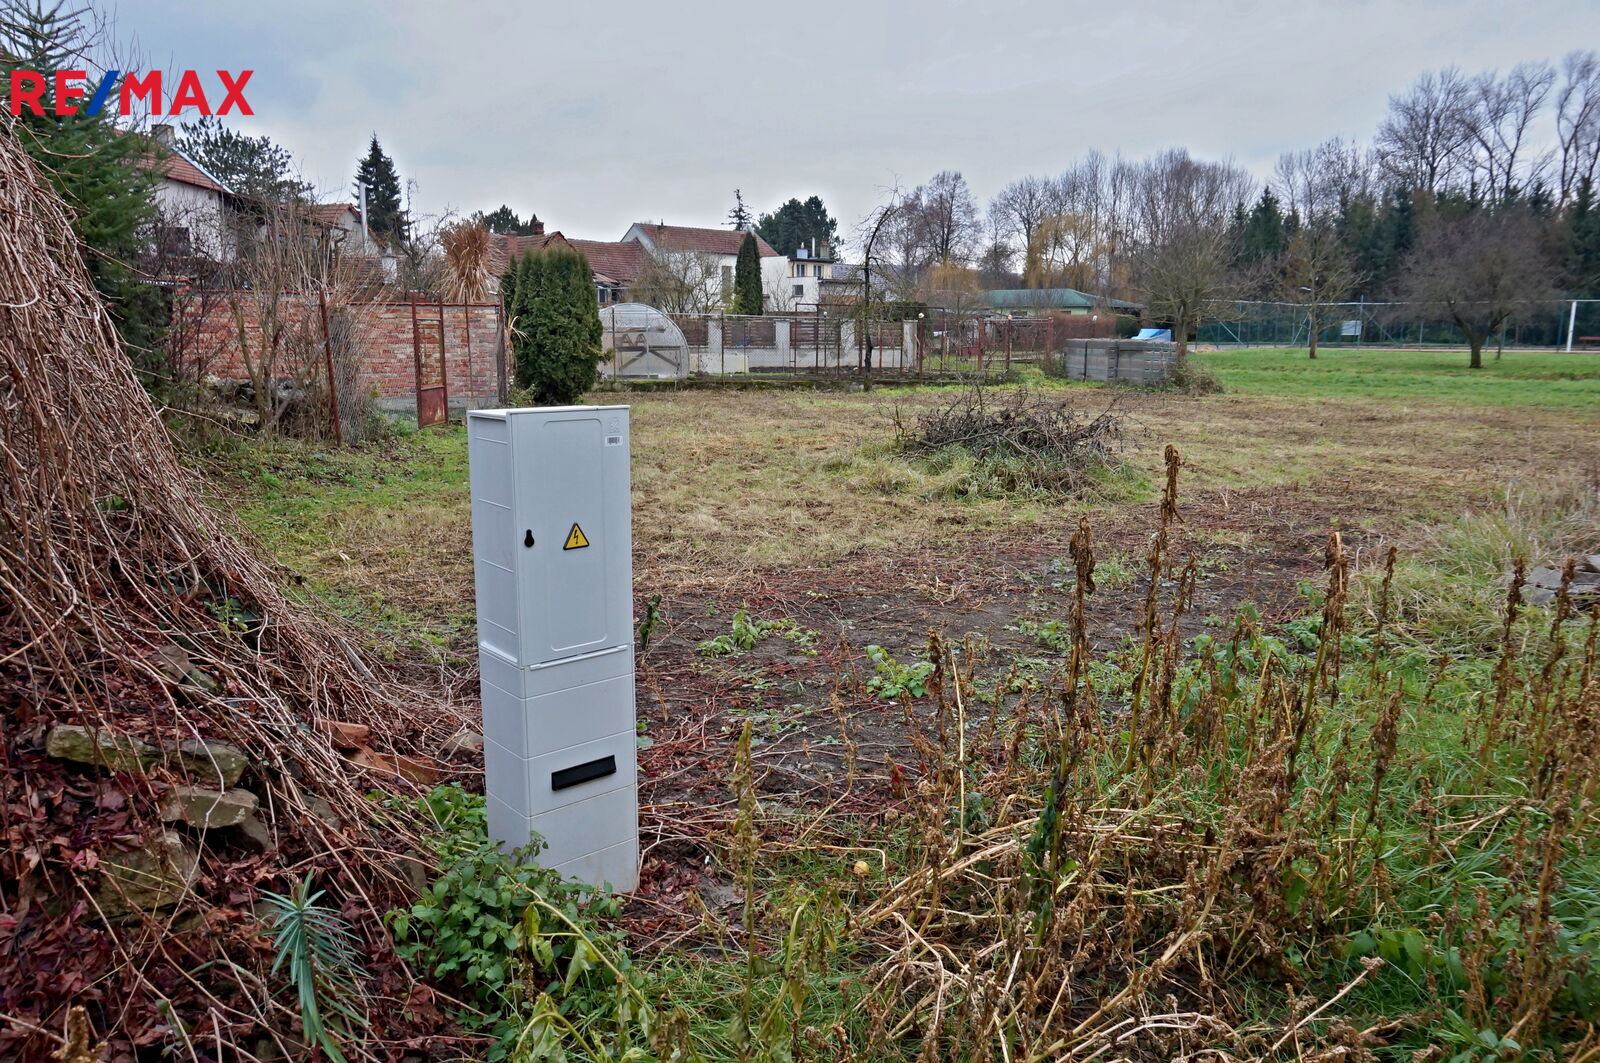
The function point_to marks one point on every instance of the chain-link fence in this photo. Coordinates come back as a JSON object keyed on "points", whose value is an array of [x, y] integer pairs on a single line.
{"points": [[1565, 324]]}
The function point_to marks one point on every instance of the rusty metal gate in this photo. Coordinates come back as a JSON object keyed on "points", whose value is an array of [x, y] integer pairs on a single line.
{"points": [[427, 351]]}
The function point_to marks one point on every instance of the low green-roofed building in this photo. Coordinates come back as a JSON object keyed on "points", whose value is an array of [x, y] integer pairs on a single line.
{"points": [[1060, 300]]}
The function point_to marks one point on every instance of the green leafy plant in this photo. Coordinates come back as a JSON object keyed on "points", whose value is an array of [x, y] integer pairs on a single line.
{"points": [[894, 679], [1110, 572], [652, 620], [323, 960], [473, 923], [746, 631]]}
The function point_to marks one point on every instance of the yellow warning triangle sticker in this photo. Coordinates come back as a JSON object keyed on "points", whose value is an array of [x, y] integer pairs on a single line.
{"points": [[576, 540]]}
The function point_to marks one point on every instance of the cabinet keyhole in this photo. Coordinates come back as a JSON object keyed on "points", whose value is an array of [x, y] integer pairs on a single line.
{"points": [[527, 538]]}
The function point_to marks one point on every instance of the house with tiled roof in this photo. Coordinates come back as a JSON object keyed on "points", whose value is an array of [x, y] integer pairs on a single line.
{"points": [[618, 265], [197, 215], [717, 252], [338, 228], [343, 221], [505, 249], [615, 265]]}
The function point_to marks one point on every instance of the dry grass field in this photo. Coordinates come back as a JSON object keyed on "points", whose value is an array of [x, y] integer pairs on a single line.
{"points": [[733, 489]]}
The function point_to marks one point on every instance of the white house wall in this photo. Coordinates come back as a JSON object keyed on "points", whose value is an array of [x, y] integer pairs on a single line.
{"points": [[201, 212]]}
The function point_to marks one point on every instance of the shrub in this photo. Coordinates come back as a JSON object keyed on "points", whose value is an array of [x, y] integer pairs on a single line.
{"points": [[556, 325], [1188, 377], [478, 924], [747, 298]]}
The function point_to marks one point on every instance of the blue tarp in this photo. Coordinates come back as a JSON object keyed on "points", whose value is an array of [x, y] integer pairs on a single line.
{"points": [[1162, 334]]}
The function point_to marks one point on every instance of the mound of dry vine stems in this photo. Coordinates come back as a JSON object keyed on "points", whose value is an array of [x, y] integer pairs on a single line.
{"points": [[110, 557], [1033, 440]]}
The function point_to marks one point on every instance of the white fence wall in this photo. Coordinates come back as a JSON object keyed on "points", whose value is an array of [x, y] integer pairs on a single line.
{"points": [[728, 348]]}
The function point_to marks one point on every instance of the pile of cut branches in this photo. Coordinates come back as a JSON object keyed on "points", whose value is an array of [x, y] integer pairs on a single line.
{"points": [[1021, 438], [165, 759]]}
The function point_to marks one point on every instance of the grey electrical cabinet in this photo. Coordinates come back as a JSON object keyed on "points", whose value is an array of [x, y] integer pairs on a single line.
{"points": [[552, 560]]}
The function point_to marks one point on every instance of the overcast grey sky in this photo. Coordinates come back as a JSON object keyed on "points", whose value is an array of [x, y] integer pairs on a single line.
{"points": [[595, 115]]}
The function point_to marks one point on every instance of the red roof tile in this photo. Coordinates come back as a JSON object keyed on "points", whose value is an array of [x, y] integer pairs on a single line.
{"points": [[504, 250], [619, 263], [174, 167], [334, 213], [688, 238]]}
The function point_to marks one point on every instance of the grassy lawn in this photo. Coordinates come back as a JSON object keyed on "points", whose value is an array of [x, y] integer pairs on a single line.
{"points": [[1519, 378]]}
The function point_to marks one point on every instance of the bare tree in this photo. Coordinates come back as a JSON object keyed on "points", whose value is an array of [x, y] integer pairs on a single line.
{"points": [[1477, 269], [871, 231], [1317, 182], [291, 267], [950, 217], [994, 261], [1020, 211], [1578, 122], [1419, 143], [904, 242], [1497, 120], [1317, 273], [1184, 251], [680, 282]]}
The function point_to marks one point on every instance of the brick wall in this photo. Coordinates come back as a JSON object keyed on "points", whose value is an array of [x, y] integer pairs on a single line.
{"points": [[206, 332]]}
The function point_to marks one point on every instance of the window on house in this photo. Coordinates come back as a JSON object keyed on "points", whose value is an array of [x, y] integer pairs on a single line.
{"points": [[799, 290], [727, 279]]}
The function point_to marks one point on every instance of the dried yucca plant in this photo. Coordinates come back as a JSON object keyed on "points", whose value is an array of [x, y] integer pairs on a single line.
{"points": [[466, 253]]}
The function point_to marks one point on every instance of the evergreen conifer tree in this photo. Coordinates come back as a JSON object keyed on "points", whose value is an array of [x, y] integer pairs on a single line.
{"points": [[739, 216], [505, 220], [1265, 233], [795, 225], [1583, 244], [747, 278], [386, 215], [557, 326], [95, 167], [252, 166]]}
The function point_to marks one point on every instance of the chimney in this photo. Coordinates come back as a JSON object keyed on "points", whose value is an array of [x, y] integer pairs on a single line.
{"points": [[538, 227], [164, 133]]}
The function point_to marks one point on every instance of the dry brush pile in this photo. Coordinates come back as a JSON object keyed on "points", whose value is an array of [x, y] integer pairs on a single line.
{"points": [[1019, 440], [166, 709]]}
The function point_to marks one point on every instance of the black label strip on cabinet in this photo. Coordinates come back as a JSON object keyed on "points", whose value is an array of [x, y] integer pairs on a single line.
{"points": [[582, 773]]}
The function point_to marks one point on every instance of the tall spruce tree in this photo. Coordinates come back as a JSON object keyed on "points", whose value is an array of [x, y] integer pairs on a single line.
{"points": [[1396, 233], [556, 343], [747, 278], [386, 215], [1357, 225], [739, 216], [1266, 234], [99, 170]]}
